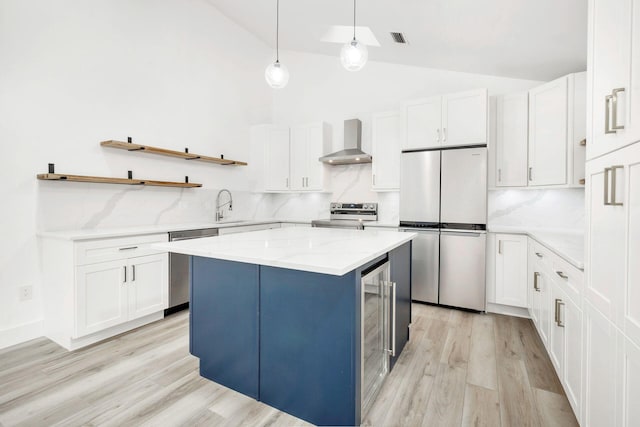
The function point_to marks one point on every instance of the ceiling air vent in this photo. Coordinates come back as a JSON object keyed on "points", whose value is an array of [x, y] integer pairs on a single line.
{"points": [[398, 38]]}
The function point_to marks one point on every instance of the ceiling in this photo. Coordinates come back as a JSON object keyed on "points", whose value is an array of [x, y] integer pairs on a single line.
{"points": [[529, 39]]}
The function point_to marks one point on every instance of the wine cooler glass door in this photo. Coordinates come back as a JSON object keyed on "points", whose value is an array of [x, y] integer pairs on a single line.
{"points": [[375, 333]]}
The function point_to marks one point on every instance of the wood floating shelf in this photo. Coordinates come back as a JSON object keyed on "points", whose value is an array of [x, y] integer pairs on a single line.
{"points": [[130, 146], [107, 180]]}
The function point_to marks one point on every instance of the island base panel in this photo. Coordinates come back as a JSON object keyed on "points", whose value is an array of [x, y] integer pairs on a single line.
{"points": [[224, 322], [309, 339]]}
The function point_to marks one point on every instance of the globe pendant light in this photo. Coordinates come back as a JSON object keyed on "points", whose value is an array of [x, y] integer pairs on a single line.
{"points": [[276, 74], [354, 54]]}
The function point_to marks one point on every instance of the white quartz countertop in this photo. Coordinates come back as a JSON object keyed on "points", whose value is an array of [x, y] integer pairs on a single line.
{"points": [[88, 234], [318, 250], [568, 244]]}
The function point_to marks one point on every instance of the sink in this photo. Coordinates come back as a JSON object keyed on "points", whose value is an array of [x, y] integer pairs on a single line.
{"points": [[240, 221]]}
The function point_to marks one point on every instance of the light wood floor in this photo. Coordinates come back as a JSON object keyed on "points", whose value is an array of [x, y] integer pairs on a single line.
{"points": [[458, 369]]}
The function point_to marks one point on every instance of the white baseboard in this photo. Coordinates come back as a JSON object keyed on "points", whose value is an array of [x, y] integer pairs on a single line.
{"points": [[21, 333], [508, 310]]}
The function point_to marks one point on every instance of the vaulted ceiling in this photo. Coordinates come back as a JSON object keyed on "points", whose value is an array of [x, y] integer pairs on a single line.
{"points": [[531, 39]]}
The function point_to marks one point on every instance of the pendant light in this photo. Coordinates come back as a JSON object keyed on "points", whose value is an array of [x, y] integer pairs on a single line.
{"points": [[354, 54], [277, 74]]}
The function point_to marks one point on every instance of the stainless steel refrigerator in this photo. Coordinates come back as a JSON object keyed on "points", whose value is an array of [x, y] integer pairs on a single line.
{"points": [[443, 197]]}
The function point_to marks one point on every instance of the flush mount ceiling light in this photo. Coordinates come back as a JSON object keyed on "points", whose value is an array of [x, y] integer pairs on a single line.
{"points": [[354, 54], [277, 74]]}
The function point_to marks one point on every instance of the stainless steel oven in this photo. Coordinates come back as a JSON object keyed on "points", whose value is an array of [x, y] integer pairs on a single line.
{"points": [[348, 215]]}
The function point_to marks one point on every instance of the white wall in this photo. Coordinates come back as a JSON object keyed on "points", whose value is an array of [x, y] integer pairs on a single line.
{"points": [[171, 73], [321, 89]]}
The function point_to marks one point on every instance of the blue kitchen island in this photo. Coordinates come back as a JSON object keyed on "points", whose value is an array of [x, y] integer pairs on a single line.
{"points": [[306, 320]]}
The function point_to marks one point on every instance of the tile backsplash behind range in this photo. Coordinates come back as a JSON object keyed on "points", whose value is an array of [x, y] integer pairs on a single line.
{"points": [[350, 183]]}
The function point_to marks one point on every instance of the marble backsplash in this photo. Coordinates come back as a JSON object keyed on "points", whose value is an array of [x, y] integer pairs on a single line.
{"points": [[549, 208]]}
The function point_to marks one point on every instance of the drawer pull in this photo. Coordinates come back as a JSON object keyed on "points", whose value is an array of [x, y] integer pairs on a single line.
{"points": [[561, 274], [128, 249], [539, 255]]}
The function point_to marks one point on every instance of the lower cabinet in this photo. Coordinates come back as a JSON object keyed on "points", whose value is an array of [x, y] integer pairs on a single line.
{"points": [[511, 270], [114, 292], [600, 369], [102, 287]]}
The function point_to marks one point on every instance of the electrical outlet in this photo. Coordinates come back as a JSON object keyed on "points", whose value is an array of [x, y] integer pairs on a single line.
{"points": [[26, 293]]}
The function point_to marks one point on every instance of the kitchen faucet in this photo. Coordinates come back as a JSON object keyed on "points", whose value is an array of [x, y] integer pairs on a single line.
{"points": [[219, 206]]}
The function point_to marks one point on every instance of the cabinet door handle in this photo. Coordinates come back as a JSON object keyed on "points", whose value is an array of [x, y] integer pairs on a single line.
{"points": [[555, 312], [614, 115], [438, 135], [133, 273], [374, 179], [530, 174], [613, 185], [125, 274], [287, 182], [560, 322], [303, 182], [128, 249], [499, 175], [307, 181], [444, 134], [500, 246], [536, 286], [607, 112], [606, 186], [539, 255], [561, 274], [393, 318]]}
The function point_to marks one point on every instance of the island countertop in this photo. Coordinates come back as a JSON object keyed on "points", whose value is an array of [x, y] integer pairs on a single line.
{"points": [[319, 250]]}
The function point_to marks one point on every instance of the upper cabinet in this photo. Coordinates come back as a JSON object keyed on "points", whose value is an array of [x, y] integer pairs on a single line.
{"points": [[445, 121], [308, 144], [614, 78], [557, 127], [276, 159], [511, 140], [464, 118], [540, 135], [291, 157], [385, 150]]}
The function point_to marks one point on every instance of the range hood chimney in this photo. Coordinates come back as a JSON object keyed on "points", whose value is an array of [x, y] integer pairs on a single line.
{"points": [[352, 153]]}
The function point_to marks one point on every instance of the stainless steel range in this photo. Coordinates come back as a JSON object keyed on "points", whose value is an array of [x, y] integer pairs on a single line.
{"points": [[348, 215]]}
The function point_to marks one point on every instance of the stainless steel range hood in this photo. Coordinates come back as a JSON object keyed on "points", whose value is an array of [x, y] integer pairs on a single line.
{"points": [[352, 153]]}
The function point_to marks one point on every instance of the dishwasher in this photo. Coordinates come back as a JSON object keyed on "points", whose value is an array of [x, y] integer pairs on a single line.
{"points": [[180, 271]]}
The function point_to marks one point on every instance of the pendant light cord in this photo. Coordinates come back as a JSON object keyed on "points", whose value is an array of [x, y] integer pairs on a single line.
{"points": [[277, 30], [354, 19]]}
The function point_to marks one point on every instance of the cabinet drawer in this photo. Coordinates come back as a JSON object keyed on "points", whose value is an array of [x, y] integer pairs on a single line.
{"points": [[94, 251], [569, 278], [541, 256]]}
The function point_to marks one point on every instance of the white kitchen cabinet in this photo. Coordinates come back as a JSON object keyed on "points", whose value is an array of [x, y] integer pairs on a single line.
{"points": [[276, 160], [98, 288], [600, 376], [385, 150], [571, 316], [308, 143], [628, 382], [464, 118], [614, 78], [565, 344], [511, 270], [512, 134], [422, 123], [113, 292], [556, 129], [612, 204], [449, 120], [147, 293], [101, 297], [291, 158]]}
